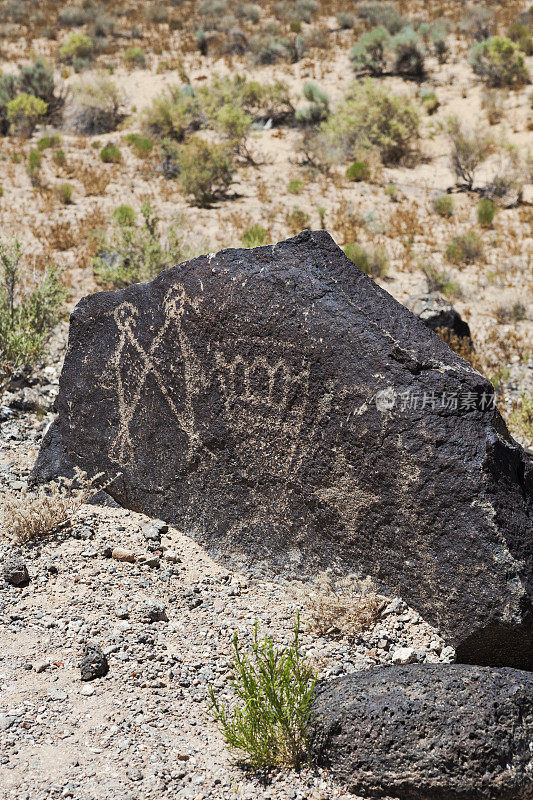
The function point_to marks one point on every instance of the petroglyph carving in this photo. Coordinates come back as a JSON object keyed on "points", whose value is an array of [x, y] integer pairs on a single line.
{"points": [[133, 364]]}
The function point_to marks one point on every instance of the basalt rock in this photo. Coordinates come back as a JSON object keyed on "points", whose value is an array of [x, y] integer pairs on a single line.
{"points": [[289, 414], [437, 313], [428, 732]]}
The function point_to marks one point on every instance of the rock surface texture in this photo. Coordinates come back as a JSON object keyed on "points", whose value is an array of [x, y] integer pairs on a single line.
{"points": [[428, 732], [290, 415]]}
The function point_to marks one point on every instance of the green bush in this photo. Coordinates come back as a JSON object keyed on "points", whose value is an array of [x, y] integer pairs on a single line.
{"points": [[24, 112], [205, 170], [465, 248], [519, 33], [37, 80], [372, 117], [93, 106], [26, 316], [256, 236], [443, 206], [358, 171], [295, 186], [172, 115], [499, 62], [369, 53], [439, 281], [141, 146], [124, 215], [8, 90], [78, 45], [135, 57], [486, 209], [59, 157], [380, 13], [268, 724], [136, 253], [65, 193], [110, 154], [34, 166], [345, 20], [408, 52], [46, 142], [374, 261], [318, 108], [429, 101]]}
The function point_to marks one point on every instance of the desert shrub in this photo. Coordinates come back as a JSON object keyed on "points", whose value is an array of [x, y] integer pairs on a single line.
{"points": [[256, 236], [369, 53], [33, 167], [372, 117], [465, 248], [135, 57], [493, 101], [408, 53], [469, 150], [438, 35], [438, 280], [271, 48], [33, 515], [136, 253], [443, 206], [295, 186], [299, 11], [26, 315], [8, 90], [477, 22], [64, 193], [521, 419], [24, 112], [77, 46], [508, 313], [172, 115], [342, 607], [499, 62], [75, 16], [297, 220], [429, 100], [520, 33], [233, 123], [110, 154], [273, 688], [486, 209], [379, 13], [156, 13], [248, 11], [345, 20], [509, 173], [205, 170], [141, 146], [124, 215], [93, 106], [47, 142], [318, 107], [59, 157], [358, 171], [37, 80], [373, 261]]}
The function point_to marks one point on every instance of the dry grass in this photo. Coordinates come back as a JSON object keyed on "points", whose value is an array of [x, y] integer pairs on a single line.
{"points": [[31, 515], [342, 607]]}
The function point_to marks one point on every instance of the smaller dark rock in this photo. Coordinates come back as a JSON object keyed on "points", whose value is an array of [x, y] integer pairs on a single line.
{"points": [[16, 572], [94, 664], [153, 612], [436, 311]]}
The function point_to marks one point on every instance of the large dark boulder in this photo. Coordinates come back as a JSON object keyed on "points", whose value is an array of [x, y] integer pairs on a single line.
{"points": [[428, 732], [285, 411]]}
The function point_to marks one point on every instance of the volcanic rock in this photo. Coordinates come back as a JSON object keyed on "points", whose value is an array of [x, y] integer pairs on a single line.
{"points": [[278, 406]]}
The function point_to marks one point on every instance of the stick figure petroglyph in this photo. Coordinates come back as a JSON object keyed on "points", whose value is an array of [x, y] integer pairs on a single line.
{"points": [[131, 376]]}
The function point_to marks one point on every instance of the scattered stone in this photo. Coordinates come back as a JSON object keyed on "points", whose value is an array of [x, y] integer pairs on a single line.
{"points": [[55, 693], [15, 572], [405, 655], [153, 611], [119, 554], [428, 731], [243, 395], [134, 774], [94, 663], [41, 666]]}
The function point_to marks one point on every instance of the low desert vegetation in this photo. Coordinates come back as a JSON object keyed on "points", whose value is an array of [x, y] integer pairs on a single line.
{"points": [[27, 314], [267, 724], [93, 106], [32, 515], [372, 260], [342, 607]]}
